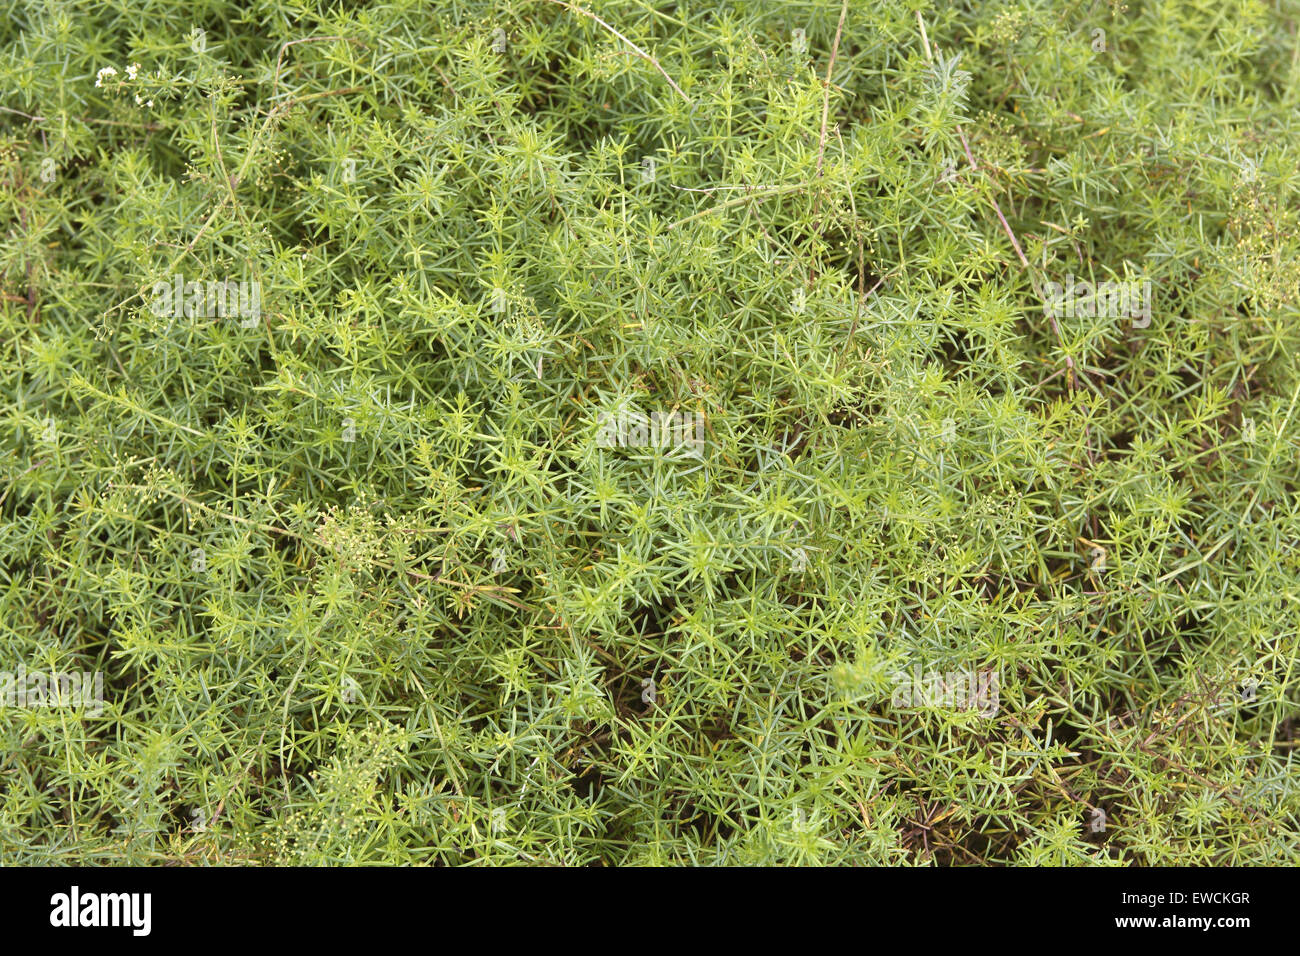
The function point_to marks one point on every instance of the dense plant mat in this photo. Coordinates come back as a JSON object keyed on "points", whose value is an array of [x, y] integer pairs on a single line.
{"points": [[636, 432]]}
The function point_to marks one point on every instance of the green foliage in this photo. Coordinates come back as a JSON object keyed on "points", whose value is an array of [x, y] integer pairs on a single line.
{"points": [[366, 585]]}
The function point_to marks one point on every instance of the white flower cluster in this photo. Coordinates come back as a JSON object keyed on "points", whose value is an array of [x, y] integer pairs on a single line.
{"points": [[132, 73]]}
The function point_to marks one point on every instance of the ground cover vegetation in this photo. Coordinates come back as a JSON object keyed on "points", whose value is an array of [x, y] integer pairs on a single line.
{"points": [[634, 432]]}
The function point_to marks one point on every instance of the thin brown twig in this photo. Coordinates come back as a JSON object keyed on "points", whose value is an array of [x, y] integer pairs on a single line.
{"points": [[826, 107], [1006, 227], [639, 52], [826, 89], [857, 313], [739, 200], [275, 84], [34, 119]]}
